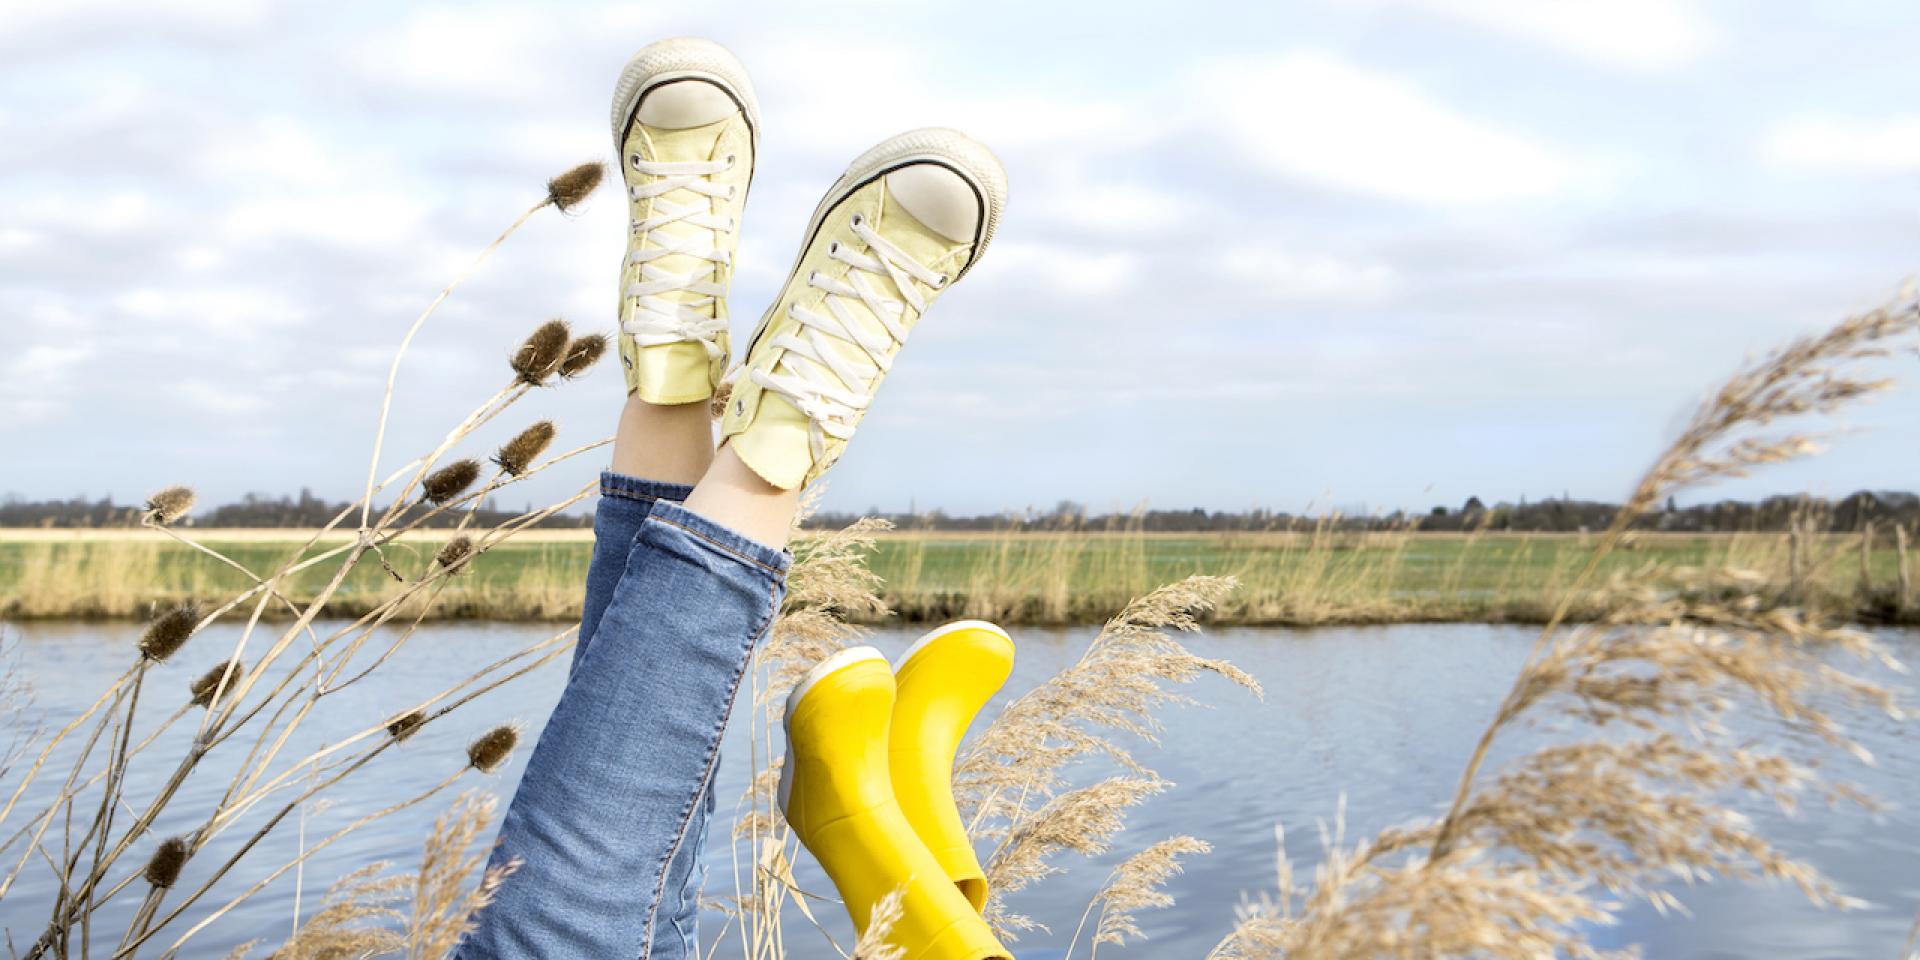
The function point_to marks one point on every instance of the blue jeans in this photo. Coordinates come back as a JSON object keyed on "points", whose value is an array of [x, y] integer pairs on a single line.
{"points": [[610, 816]]}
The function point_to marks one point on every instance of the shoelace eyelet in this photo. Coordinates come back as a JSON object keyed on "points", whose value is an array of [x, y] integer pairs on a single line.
{"points": [[730, 160], [858, 219], [633, 160], [941, 282], [732, 188], [833, 247]]}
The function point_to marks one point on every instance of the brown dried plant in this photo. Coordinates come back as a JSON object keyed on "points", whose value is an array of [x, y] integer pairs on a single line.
{"points": [[518, 454], [1131, 887], [567, 190], [828, 580], [491, 749], [204, 687], [581, 354], [256, 694], [828, 583], [169, 504], [356, 919], [1011, 782], [874, 943], [445, 895], [168, 632], [1645, 791], [451, 480], [539, 356]]}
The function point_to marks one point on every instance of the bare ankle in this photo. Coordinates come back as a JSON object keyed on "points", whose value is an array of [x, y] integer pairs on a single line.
{"points": [[673, 443], [732, 495]]}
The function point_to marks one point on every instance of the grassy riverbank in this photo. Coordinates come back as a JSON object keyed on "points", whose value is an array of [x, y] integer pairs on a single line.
{"points": [[1051, 577]]}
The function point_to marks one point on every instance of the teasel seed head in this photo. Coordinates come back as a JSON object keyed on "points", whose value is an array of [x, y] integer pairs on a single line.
{"points": [[163, 868], [492, 748], [210, 681], [568, 189], [582, 354], [722, 392], [170, 504], [169, 632], [406, 725], [451, 480], [455, 552], [542, 351], [520, 452]]}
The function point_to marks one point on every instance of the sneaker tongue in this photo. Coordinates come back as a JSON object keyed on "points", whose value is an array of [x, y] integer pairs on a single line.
{"points": [[689, 144]]}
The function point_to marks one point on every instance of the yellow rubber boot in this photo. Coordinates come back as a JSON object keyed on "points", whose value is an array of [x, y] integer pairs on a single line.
{"points": [[943, 681], [836, 795]]}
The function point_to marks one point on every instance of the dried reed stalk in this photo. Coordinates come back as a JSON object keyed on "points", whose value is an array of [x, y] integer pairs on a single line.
{"points": [[286, 684], [1554, 841]]}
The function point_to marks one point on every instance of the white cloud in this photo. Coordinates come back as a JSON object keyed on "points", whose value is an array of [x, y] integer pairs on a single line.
{"points": [[199, 258], [824, 119], [486, 53], [14, 239], [1634, 34], [1887, 145], [1311, 116], [1286, 275], [1069, 271], [362, 220], [275, 149], [221, 399], [122, 212], [232, 310], [21, 20], [38, 379], [1110, 207]]}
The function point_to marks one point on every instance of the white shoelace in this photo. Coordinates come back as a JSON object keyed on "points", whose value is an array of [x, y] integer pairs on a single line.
{"points": [[658, 319], [822, 382]]}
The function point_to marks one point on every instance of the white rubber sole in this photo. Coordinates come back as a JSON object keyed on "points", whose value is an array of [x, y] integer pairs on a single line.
{"points": [[936, 633], [682, 58], [956, 151], [822, 670]]}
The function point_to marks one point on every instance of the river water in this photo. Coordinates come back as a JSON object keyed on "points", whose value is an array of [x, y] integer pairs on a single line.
{"points": [[1376, 719]]}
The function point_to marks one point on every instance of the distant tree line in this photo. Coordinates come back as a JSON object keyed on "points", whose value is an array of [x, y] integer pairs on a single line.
{"points": [[1849, 514], [1563, 515], [253, 510]]}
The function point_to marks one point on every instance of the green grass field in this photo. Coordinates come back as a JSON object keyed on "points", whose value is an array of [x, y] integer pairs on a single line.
{"points": [[1060, 577]]}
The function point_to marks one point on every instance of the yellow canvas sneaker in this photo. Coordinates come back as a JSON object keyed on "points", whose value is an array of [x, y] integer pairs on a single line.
{"points": [[686, 125], [941, 684], [905, 221], [835, 794]]}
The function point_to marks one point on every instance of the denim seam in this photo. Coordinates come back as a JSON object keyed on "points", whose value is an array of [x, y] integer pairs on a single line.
{"points": [[717, 545], [696, 880], [713, 750]]}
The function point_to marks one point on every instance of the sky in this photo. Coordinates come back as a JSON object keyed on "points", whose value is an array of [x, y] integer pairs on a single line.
{"points": [[1366, 254]]}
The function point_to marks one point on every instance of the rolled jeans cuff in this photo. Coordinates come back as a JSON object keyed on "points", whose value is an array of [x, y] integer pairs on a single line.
{"points": [[626, 487], [774, 562]]}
